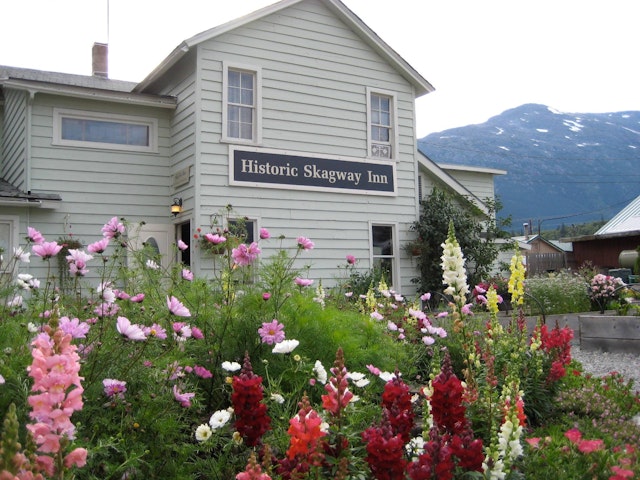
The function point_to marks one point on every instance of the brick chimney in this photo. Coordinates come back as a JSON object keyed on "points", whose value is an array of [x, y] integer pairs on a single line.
{"points": [[100, 60]]}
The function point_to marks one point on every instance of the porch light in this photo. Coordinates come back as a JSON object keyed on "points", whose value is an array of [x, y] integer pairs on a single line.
{"points": [[176, 206]]}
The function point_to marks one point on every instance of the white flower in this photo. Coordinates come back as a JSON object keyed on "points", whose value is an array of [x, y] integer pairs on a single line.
{"points": [[285, 346], [219, 419], [203, 433], [152, 265], [15, 302], [32, 327], [1, 380], [231, 366], [276, 397], [24, 280], [386, 376], [21, 255], [320, 371]]}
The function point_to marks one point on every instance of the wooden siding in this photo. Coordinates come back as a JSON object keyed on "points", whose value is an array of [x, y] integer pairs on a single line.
{"points": [[14, 145], [315, 72], [479, 184]]}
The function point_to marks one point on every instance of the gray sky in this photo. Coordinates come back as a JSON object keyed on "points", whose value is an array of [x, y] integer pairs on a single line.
{"points": [[483, 57]]}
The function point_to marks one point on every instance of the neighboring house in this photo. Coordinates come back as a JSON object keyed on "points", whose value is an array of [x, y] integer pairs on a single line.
{"points": [[543, 256], [298, 115], [603, 248]]}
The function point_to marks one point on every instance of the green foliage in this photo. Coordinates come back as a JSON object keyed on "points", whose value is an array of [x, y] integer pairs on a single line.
{"points": [[561, 292], [475, 233]]}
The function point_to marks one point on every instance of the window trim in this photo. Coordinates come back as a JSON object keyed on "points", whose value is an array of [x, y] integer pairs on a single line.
{"points": [[14, 239], [151, 123], [257, 103], [395, 258], [393, 137]]}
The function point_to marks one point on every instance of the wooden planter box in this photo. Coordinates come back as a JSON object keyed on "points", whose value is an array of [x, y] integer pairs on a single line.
{"points": [[609, 333]]}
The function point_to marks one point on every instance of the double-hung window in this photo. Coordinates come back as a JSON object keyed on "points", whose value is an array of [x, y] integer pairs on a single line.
{"points": [[381, 124], [241, 104], [383, 251]]}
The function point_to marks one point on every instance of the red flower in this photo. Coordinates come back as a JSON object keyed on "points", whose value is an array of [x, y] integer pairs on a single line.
{"points": [[588, 446], [446, 401], [305, 432], [251, 414], [396, 398], [385, 452], [573, 435], [338, 394]]}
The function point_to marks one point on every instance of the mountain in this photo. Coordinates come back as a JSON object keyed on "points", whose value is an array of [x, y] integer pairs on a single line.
{"points": [[562, 168]]}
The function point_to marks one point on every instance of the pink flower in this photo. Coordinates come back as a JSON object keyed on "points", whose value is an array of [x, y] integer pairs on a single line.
{"points": [[129, 330], [46, 249], [177, 308], [266, 296], [34, 235], [155, 330], [351, 260], [304, 243], [425, 296], [138, 298], [181, 331], [588, 446], [76, 458], [77, 260], [98, 247], [573, 435], [621, 473], [183, 399], [113, 228], [534, 442], [264, 234], [73, 327], [214, 238], [466, 309], [271, 332], [202, 372], [114, 388], [187, 274], [303, 282], [376, 315], [197, 333], [182, 246], [428, 340], [244, 255], [373, 369]]}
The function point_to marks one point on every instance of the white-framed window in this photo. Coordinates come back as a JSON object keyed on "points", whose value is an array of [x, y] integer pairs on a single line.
{"points": [[384, 248], [9, 225], [78, 128], [382, 124], [241, 104], [245, 228]]}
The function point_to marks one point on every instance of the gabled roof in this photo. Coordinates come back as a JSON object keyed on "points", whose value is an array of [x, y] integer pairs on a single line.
{"points": [[530, 239], [420, 84], [430, 166], [627, 220]]}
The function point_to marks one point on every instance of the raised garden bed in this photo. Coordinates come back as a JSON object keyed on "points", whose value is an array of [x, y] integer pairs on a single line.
{"points": [[609, 333]]}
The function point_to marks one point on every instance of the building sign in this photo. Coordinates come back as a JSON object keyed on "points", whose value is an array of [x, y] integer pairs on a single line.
{"points": [[260, 167]]}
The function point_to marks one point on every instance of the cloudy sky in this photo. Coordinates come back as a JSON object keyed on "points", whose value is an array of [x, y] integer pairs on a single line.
{"points": [[483, 57]]}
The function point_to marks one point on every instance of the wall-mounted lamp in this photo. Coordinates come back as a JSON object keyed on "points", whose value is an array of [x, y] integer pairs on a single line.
{"points": [[176, 206]]}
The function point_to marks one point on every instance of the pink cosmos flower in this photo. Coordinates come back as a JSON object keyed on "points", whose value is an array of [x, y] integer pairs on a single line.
{"points": [[244, 255], [373, 369], [98, 247], [187, 274], [114, 388], [425, 296], [129, 330], [138, 298], [266, 296], [534, 442], [46, 249], [264, 234], [202, 372], [155, 330], [122, 295], [271, 332], [177, 308], [181, 331], [77, 260], [113, 228], [376, 315], [73, 327], [303, 282], [182, 246], [214, 238], [183, 399], [428, 340], [197, 333], [34, 235], [304, 243], [351, 260]]}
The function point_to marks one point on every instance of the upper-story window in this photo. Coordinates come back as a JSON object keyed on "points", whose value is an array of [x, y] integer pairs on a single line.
{"points": [[241, 104], [382, 124], [102, 130]]}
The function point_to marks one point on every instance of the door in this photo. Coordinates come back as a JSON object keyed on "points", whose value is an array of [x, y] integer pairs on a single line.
{"points": [[160, 238]]}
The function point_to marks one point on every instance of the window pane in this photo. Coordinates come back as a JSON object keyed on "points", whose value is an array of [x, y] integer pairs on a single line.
{"points": [[382, 240], [234, 78], [385, 265], [88, 130], [234, 95]]}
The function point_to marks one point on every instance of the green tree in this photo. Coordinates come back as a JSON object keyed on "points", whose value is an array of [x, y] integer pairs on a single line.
{"points": [[476, 233]]}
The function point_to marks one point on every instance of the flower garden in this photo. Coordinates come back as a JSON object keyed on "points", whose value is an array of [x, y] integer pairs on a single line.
{"points": [[261, 373]]}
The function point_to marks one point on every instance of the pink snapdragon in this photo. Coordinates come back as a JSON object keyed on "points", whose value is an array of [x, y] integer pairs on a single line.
{"points": [[113, 228]]}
